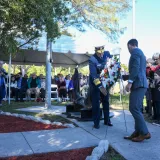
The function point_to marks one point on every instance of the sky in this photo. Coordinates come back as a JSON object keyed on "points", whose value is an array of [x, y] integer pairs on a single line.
{"points": [[147, 34]]}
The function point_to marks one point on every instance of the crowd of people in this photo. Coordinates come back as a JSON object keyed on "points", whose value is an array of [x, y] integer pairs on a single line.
{"points": [[66, 85], [153, 92], [23, 86]]}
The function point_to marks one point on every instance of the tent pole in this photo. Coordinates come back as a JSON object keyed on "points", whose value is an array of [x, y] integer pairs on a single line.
{"points": [[9, 84], [55, 71], [48, 74], [69, 70]]}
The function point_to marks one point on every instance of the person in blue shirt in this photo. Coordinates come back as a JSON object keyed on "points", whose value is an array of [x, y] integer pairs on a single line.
{"points": [[98, 91], [2, 87]]}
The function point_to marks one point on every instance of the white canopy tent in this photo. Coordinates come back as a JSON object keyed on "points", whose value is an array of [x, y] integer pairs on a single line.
{"points": [[30, 57]]}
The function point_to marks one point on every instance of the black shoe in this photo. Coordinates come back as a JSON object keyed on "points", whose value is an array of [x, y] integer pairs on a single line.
{"points": [[96, 127], [108, 124], [154, 118]]}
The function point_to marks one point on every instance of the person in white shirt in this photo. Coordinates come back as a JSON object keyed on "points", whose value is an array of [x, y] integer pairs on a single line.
{"points": [[13, 86]]}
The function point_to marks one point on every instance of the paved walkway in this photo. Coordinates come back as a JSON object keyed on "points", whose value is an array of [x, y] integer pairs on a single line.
{"points": [[147, 150], [34, 141], [25, 143]]}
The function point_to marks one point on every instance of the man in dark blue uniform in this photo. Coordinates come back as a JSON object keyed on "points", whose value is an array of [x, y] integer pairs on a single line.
{"points": [[98, 92]]}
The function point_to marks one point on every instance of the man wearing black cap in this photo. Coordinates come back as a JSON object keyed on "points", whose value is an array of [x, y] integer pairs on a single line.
{"points": [[98, 92]]}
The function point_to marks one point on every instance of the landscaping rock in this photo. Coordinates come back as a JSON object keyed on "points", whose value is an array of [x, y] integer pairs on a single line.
{"points": [[104, 144], [57, 123], [98, 151], [69, 125], [94, 157]]}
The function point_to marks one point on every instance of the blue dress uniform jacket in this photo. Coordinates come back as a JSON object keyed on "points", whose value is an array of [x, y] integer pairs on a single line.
{"points": [[96, 65]]}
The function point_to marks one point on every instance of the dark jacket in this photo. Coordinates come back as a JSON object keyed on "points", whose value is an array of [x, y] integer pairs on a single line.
{"points": [[96, 65], [24, 83], [137, 69], [37, 81], [2, 87], [156, 92]]}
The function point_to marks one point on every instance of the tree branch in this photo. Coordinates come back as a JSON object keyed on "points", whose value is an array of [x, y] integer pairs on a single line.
{"points": [[27, 42]]}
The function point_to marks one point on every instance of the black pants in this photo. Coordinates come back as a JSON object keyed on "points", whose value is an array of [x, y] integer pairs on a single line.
{"points": [[96, 96], [154, 110], [71, 95], [157, 108], [13, 91], [42, 93], [19, 93], [62, 93]]}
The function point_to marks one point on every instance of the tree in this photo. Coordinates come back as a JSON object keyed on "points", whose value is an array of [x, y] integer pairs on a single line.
{"points": [[103, 15], [124, 66], [23, 21]]}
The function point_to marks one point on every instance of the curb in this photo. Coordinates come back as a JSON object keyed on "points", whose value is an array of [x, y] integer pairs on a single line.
{"points": [[36, 119], [98, 151]]}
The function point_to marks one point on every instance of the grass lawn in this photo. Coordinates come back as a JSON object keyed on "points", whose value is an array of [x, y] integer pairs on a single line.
{"points": [[17, 105], [112, 155], [116, 104]]}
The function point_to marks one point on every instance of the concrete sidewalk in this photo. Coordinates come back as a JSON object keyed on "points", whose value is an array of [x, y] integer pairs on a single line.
{"points": [[25, 143], [57, 110], [147, 150]]}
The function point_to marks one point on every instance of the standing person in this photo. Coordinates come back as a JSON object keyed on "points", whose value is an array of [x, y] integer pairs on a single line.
{"points": [[2, 87], [138, 85], [71, 90], [98, 92], [67, 79], [43, 87], [156, 95], [62, 88]]}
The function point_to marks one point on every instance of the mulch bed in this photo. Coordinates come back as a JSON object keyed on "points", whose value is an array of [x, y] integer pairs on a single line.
{"points": [[78, 154], [13, 124]]}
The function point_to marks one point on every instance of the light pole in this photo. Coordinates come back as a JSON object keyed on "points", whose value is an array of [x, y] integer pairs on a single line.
{"points": [[48, 74], [133, 18]]}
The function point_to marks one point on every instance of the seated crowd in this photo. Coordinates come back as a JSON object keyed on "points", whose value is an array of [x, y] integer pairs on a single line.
{"points": [[23, 86]]}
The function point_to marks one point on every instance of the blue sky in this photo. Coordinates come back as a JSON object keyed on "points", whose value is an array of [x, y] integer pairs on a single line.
{"points": [[147, 33]]}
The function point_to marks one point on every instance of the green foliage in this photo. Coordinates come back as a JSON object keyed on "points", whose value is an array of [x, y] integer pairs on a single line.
{"points": [[103, 15], [22, 21], [84, 70], [36, 69], [41, 70], [124, 66], [65, 71]]}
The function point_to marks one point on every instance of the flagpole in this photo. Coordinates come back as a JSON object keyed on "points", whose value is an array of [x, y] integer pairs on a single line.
{"points": [[133, 18]]}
